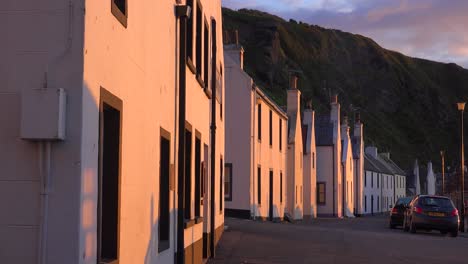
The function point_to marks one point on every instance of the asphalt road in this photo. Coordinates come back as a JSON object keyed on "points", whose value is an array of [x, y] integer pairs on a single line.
{"points": [[358, 240]]}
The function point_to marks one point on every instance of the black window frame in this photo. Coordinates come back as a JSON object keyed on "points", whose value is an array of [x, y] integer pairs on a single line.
{"points": [[198, 43], [188, 176], [190, 35], [259, 185], [324, 193], [259, 122], [280, 134], [164, 222], [228, 184], [271, 127], [221, 183], [281, 187], [198, 175]]}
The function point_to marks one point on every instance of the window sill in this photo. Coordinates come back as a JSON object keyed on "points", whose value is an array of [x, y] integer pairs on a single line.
{"points": [[163, 245], [188, 223], [199, 219], [191, 66], [200, 81]]}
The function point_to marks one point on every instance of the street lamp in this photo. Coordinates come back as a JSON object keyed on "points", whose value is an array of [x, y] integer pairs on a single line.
{"points": [[443, 172], [461, 108]]}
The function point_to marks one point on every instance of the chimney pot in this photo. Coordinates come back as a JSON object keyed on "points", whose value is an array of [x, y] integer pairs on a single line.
{"points": [[334, 99], [293, 82]]}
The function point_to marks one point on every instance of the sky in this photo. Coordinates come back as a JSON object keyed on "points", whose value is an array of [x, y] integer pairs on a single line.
{"points": [[430, 29]]}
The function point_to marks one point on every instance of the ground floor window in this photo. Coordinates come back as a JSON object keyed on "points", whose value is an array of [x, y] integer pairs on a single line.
{"points": [[321, 193], [228, 182], [164, 193]]}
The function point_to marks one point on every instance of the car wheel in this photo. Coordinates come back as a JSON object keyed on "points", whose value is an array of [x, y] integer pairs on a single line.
{"points": [[412, 227], [454, 233]]}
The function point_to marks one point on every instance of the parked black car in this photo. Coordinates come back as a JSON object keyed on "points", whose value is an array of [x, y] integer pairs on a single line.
{"points": [[430, 212], [398, 211]]}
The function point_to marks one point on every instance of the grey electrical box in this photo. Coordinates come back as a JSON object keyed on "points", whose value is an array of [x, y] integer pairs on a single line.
{"points": [[43, 114]]}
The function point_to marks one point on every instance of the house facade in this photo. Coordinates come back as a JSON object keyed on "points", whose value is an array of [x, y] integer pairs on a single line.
{"points": [[347, 168], [295, 187], [310, 161], [329, 172], [372, 182], [116, 115], [358, 165], [256, 146], [399, 184]]}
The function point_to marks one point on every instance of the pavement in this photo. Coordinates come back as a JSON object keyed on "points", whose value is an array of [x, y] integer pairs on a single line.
{"points": [[352, 240]]}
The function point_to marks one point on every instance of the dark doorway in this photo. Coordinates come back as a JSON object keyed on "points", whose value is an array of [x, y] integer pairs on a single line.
{"points": [[270, 211], [109, 177], [372, 205]]}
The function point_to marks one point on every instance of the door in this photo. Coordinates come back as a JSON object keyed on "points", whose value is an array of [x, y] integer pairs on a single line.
{"points": [[270, 211]]}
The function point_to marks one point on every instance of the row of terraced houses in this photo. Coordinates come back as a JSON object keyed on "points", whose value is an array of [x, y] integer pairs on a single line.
{"points": [[284, 162], [128, 130]]}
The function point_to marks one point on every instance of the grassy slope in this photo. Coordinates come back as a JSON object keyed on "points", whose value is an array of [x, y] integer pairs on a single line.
{"points": [[407, 104]]}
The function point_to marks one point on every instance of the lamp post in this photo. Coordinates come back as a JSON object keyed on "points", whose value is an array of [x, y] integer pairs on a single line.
{"points": [[443, 171], [461, 108]]}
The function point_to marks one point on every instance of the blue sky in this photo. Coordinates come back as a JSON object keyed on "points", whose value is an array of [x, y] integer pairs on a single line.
{"points": [[431, 29]]}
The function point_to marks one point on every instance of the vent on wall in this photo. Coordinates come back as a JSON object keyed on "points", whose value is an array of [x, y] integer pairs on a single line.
{"points": [[43, 114]]}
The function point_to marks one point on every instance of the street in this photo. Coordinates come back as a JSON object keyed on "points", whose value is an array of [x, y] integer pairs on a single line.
{"points": [[358, 240]]}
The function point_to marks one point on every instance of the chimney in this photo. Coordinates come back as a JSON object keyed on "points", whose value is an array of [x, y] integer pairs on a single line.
{"points": [[358, 126], [294, 96], [372, 151], [233, 48], [335, 109], [385, 155], [344, 127]]}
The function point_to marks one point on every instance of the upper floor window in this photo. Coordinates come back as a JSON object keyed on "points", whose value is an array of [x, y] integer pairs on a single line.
{"points": [[190, 35], [120, 11], [198, 44], [259, 122], [280, 134], [271, 128]]}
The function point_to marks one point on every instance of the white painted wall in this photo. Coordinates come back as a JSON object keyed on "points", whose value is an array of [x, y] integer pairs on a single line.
{"points": [[325, 174], [372, 192], [348, 172], [310, 168]]}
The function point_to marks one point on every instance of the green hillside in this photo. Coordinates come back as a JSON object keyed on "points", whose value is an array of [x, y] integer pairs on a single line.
{"points": [[407, 104]]}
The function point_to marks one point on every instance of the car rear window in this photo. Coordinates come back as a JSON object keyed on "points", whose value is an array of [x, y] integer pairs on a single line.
{"points": [[403, 201], [435, 202]]}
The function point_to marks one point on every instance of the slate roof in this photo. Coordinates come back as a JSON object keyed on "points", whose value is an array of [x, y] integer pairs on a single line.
{"points": [[378, 165], [392, 166], [356, 147], [323, 130]]}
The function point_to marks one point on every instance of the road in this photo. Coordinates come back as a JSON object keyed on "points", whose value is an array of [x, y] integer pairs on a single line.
{"points": [[358, 240]]}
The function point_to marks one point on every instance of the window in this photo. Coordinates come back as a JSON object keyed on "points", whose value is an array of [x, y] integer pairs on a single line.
{"points": [[198, 175], [164, 194], [228, 182], [119, 10], [365, 203], [280, 134], [365, 180], [301, 194], [321, 193], [271, 128], [281, 187], [313, 160], [109, 177], [259, 185], [295, 193], [190, 36], [221, 183], [372, 179], [205, 56], [378, 181], [259, 122], [188, 176], [198, 44], [378, 203]]}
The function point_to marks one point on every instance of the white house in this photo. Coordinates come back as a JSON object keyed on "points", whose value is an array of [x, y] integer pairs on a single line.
{"points": [[295, 191], [256, 134], [116, 117], [347, 168], [329, 172], [399, 184], [358, 165], [309, 168], [372, 181], [385, 182]]}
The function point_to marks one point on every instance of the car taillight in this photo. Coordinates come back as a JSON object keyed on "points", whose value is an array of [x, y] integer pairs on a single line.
{"points": [[417, 210], [454, 212], [394, 211]]}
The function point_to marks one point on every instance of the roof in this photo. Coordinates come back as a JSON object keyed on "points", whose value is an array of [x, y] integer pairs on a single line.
{"points": [[391, 165], [270, 101], [292, 128], [378, 165], [323, 130], [369, 165], [356, 147]]}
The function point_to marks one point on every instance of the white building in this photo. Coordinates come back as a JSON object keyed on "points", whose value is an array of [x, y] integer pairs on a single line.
{"points": [[347, 169], [309, 169], [329, 172], [295, 191], [256, 134], [372, 190], [399, 176], [109, 112]]}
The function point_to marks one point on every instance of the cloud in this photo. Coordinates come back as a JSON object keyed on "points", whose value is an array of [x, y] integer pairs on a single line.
{"points": [[431, 29]]}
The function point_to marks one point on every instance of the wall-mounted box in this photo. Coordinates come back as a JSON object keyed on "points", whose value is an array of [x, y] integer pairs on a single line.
{"points": [[43, 114]]}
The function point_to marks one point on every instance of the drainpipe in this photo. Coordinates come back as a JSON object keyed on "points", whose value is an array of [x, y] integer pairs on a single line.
{"points": [[213, 135], [182, 13]]}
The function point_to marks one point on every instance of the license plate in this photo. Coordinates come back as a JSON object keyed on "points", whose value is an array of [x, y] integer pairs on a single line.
{"points": [[435, 214]]}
